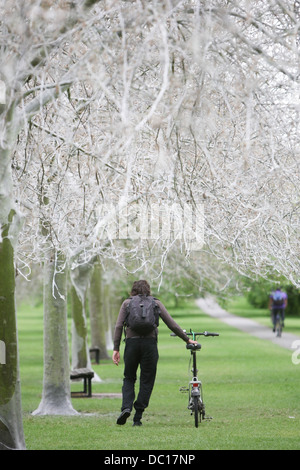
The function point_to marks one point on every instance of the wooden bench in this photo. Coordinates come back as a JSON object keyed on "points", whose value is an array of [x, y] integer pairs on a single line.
{"points": [[87, 376]]}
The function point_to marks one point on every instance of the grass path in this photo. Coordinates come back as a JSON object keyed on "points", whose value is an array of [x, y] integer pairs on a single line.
{"points": [[251, 388]]}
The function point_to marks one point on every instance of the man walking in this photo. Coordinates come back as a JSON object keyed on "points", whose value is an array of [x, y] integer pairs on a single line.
{"points": [[141, 347]]}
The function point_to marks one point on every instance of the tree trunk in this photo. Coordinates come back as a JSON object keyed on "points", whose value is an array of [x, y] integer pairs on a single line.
{"points": [[11, 426], [80, 278], [96, 309], [80, 350], [108, 316], [56, 386]]}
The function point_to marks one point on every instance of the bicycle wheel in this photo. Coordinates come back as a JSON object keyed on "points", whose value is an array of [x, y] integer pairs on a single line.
{"points": [[278, 327], [201, 404], [279, 330], [196, 410]]}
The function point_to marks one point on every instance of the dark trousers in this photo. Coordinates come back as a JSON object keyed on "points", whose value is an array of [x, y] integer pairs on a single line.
{"points": [[275, 312], [139, 352]]}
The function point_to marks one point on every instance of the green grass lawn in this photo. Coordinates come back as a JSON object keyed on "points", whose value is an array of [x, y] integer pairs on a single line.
{"points": [[251, 389]]}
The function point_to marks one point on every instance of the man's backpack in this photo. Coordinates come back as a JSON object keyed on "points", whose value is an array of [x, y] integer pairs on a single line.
{"points": [[142, 314], [278, 298]]}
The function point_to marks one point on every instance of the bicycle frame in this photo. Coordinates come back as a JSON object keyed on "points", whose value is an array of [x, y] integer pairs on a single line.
{"points": [[277, 318], [195, 402], [278, 325]]}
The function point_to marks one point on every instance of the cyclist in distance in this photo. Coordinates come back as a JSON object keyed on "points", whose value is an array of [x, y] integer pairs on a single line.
{"points": [[277, 304]]}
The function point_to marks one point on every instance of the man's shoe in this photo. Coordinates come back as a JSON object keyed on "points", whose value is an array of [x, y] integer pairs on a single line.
{"points": [[137, 423], [123, 416]]}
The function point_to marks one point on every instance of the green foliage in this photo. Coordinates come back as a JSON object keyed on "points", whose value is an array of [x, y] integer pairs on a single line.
{"points": [[259, 293], [293, 307]]}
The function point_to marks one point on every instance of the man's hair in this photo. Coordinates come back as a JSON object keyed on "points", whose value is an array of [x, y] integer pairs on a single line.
{"points": [[140, 288]]}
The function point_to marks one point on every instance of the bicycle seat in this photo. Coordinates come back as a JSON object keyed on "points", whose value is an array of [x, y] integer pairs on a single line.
{"points": [[193, 347]]}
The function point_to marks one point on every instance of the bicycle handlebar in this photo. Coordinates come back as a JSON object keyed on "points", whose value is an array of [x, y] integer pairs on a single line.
{"points": [[192, 333], [205, 333]]}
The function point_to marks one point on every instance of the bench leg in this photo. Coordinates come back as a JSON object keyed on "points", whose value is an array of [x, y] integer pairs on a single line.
{"points": [[89, 387]]}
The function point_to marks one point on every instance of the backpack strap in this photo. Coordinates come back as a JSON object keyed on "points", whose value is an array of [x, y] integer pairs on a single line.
{"points": [[127, 313], [156, 309]]}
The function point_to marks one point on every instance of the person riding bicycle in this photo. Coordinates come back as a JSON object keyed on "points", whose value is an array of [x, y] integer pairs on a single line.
{"points": [[277, 304]]}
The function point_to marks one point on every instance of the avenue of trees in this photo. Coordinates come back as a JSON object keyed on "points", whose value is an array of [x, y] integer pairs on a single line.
{"points": [[114, 112]]}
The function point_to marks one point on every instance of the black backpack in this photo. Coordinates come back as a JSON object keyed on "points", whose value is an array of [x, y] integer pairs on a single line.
{"points": [[142, 314], [278, 299]]}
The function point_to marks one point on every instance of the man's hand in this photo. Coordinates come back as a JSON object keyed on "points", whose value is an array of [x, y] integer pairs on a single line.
{"points": [[192, 341], [116, 357]]}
